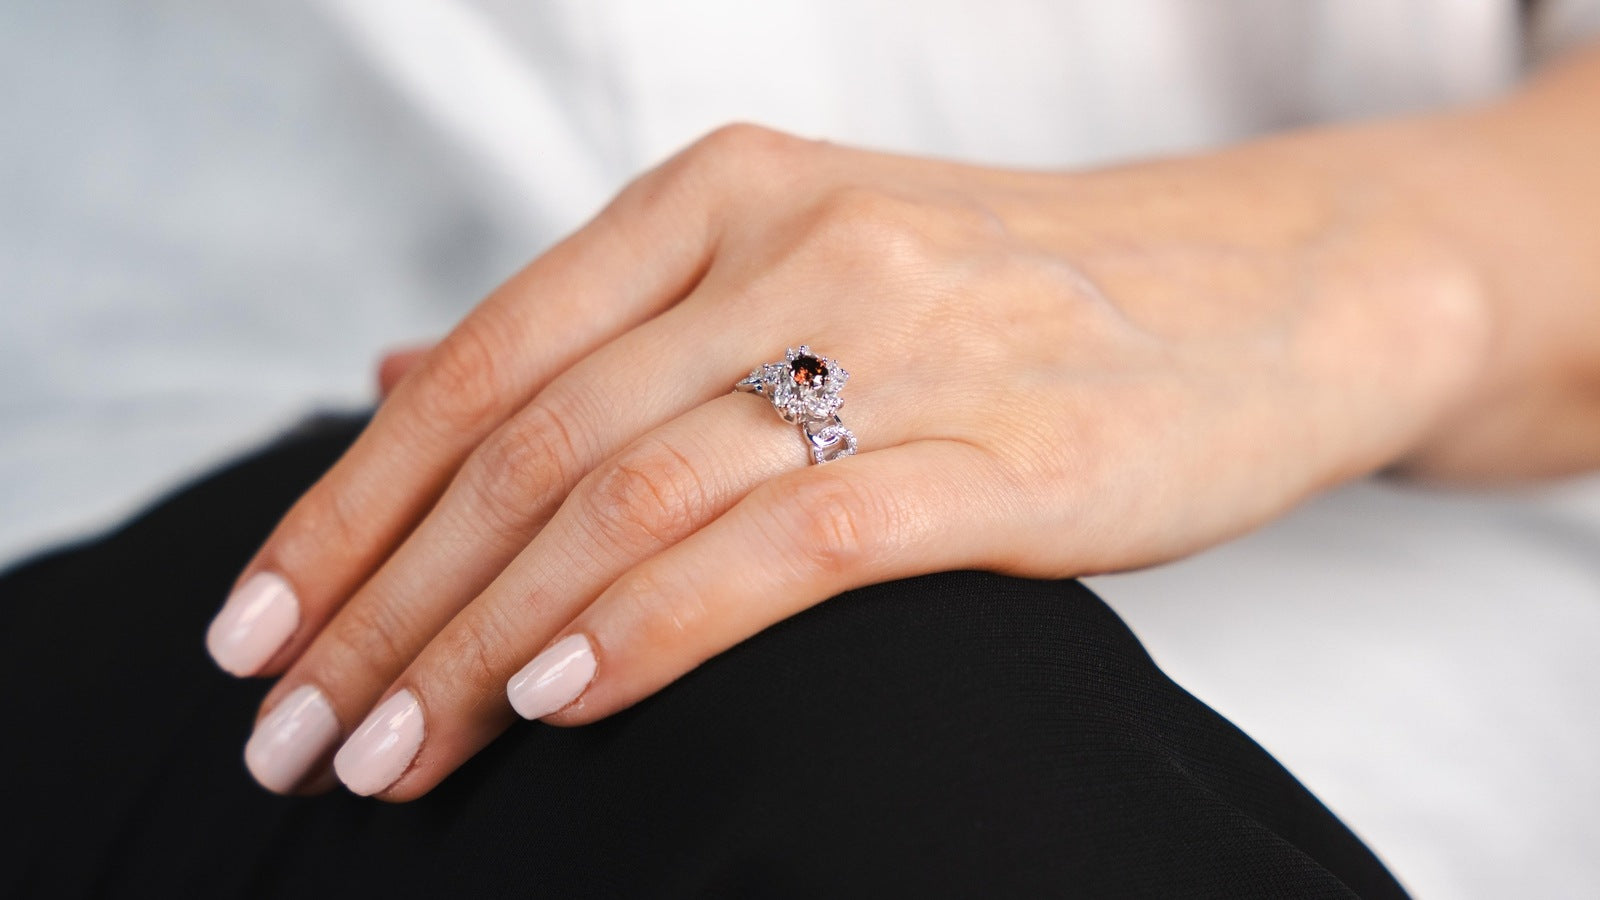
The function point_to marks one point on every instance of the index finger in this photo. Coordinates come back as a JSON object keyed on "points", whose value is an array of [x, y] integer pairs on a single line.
{"points": [[639, 255]]}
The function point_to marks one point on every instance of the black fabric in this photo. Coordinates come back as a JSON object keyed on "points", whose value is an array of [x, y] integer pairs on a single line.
{"points": [[962, 734]]}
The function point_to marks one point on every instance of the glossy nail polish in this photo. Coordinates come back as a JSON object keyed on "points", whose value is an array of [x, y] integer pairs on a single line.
{"points": [[254, 624], [291, 739], [553, 679], [381, 750]]}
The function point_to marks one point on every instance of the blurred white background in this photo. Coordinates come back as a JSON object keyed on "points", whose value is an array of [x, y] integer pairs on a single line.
{"points": [[213, 217]]}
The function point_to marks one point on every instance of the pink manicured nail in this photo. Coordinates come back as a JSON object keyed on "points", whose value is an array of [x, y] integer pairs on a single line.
{"points": [[291, 739], [382, 748], [554, 679], [253, 624]]}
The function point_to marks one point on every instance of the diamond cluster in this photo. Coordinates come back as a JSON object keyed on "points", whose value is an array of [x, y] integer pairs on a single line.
{"points": [[804, 387]]}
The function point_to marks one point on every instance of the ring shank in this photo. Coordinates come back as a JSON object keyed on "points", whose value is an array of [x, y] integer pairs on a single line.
{"points": [[829, 440]]}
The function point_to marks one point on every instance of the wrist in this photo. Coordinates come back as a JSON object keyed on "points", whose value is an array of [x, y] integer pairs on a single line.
{"points": [[1482, 263], [1512, 188], [1320, 244]]}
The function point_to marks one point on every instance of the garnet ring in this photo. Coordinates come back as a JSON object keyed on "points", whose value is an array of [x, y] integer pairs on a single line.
{"points": [[804, 389]]}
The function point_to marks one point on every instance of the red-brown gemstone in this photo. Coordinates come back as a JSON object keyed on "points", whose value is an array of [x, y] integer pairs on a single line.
{"points": [[807, 370]]}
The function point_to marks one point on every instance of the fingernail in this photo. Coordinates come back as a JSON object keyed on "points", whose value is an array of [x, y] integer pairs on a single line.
{"points": [[291, 739], [382, 748], [553, 679], [258, 617]]}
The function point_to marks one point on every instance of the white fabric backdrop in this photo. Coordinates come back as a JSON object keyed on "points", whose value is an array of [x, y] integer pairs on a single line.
{"points": [[216, 215]]}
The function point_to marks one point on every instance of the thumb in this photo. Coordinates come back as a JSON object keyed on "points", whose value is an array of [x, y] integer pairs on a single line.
{"points": [[394, 365]]}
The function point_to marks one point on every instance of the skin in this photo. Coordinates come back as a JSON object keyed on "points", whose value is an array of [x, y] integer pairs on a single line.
{"points": [[1052, 375]]}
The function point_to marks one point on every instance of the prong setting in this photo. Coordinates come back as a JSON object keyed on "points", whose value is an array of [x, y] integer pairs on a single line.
{"points": [[805, 390]]}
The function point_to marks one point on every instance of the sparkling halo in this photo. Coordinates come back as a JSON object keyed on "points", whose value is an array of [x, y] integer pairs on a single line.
{"points": [[804, 389]]}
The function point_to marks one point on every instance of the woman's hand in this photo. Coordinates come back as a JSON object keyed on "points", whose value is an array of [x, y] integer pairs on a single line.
{"points": [[1051, 375]]}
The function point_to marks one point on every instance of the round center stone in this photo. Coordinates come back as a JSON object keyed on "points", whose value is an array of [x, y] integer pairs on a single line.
{"points": [[807, 370]]}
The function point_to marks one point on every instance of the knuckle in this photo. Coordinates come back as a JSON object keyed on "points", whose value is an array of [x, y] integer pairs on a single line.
{"points": [[459, 389], [731, 156], [738, 143], [472, 656], [861, 206], [873, 226], [366, 643], [833, 524], [650, 495], [334, 520], [345, 518], [524, 466], [974, 221], [654, 613]]}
